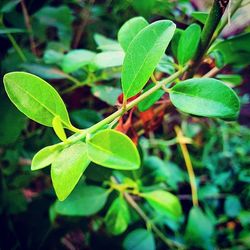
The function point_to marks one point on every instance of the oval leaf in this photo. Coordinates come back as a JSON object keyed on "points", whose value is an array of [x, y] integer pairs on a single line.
{"points": [[143, 55], [205, 97], [76, 59], [83, 201], [35, 98], [46, 156], [139, 239], [113, 149], [199, 229], [165, 203], [67, 169], [130, 29], [118, 216], [188, 43]]}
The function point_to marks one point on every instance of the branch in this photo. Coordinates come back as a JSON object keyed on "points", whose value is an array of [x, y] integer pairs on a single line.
{"points": [[210, 26], [29, 27]]}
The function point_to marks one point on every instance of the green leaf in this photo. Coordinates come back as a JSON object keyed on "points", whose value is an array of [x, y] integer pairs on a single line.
{"points": [[113, 149], [143, 55], [139, 239], [58, 128], [200, 16], [59, 17], [76, 59], [118, 216], [205, 97], [232, 206], [129, 30], [146, 103], [164, 203], [108, 59], [234, 50], [144, 8], [67, 169], [199, 229], [233, 79], [85, 118], [83, 201], [12, 121], [43, 71], [35, 98], [46, 156], [10, 30], [175, 41], [106, 44], [188, 43], [51, 56], [106, 93]]}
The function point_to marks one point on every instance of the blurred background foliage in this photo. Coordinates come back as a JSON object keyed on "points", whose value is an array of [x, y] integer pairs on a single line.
{"points": [[73, 45]]}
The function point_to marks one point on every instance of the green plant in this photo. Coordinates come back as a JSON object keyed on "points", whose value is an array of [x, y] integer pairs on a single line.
{"points": [[142, 46]]}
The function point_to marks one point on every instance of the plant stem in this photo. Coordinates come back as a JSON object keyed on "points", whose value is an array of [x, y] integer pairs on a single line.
{"points": [[234, 7], [16, 47], [189, 166], [210, 26], [129, 106], [147, 220]]}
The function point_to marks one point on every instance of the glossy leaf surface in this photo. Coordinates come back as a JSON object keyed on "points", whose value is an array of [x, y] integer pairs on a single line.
{"points": [[67, 169], [83, 201], [113, 149], [129, 30], [35, 98], [188, 43], [46, 156], [118, 216], [165, 203], [205, 97], [143, 55]]}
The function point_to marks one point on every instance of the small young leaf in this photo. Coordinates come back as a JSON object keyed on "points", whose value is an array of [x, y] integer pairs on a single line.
{"points": [[35, 98], [76, 59], [175, 41], [83, 201], [188, 43], [165, 203], [118, 216], [113, 149], [199, 229], [106, 44], [139, 239], [143, 55], [46, 156], [151, 99], [130, 29], [205, 97], [58, 128], [67, 169]]}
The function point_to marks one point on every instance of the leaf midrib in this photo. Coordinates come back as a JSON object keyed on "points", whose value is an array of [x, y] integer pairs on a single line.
{"points": [[44, 106], [136, 75]]}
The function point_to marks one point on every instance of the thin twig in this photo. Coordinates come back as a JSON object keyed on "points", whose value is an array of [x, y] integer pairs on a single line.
{"points": [[148, 222], [85, 14], [29, 27], [188, 165]]}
